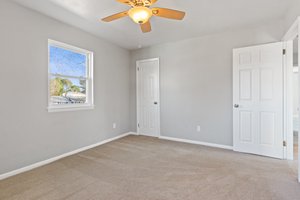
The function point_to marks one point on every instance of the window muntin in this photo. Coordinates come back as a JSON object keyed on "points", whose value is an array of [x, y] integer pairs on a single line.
{"points": [[70, 77]]}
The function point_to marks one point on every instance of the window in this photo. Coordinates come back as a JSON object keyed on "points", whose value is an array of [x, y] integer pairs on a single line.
{"points": [[70, 78]]}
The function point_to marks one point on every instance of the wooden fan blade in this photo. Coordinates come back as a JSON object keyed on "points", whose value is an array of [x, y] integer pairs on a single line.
{"points": [[115, 16], [128, 2], [152, 2], [168, 13], [146, 27]]}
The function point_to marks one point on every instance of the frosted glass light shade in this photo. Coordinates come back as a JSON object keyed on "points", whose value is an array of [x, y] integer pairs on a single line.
{"points": [[140, 15]]}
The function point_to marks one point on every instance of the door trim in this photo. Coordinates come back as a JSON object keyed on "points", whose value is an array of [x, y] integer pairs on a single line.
{"points": [[137, 94], [288, 38], [291, 34], [288, 100]]}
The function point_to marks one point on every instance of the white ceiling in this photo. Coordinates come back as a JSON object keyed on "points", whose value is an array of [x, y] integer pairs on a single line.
{"points": [[203, 17]]}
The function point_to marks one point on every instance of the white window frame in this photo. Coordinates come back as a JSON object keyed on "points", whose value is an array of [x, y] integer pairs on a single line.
{"points": [[89, 84]]}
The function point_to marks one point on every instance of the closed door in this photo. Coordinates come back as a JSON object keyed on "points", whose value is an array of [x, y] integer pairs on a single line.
{"points": [[258, 100], [148, 103]]}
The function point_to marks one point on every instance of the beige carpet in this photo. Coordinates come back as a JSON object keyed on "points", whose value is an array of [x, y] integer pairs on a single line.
{"points": [[142, 168]]}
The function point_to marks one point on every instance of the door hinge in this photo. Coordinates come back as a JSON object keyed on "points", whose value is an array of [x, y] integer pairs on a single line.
{"points": [[284, 51], [284, 143], [138, 125], [138, 69]]}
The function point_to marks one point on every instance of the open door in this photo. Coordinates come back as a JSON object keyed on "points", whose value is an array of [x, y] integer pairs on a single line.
{"points": [[258, 100]]}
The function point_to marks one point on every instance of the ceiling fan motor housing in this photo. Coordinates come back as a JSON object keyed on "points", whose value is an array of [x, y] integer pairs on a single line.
{"points": [[146, 3]]}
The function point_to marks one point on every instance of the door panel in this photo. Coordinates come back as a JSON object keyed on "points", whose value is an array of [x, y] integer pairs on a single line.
{"points": [[258, 99], [267, 128], [266, 84], [246, 123], [245, 84], [148, 97]]}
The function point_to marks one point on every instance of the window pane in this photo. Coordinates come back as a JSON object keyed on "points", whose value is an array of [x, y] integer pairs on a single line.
{"points": [[66, 62], [67, 91]]}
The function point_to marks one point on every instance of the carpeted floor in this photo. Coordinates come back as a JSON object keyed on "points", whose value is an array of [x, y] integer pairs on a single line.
{"points": [[142, 168]]}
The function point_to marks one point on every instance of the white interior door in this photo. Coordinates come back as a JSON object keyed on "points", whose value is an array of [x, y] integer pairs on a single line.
{"points": [[258, 100], [148, 102]]}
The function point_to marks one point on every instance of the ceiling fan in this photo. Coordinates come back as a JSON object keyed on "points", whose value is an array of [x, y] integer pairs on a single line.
{"points": [[141, 13]]}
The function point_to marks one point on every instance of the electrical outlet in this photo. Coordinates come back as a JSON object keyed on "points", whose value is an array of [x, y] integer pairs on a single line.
{"points": [[198, 128], [114, 125]]}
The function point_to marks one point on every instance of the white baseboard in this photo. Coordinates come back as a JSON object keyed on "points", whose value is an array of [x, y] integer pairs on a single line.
{"points": [[45, 162], [197, 142], [133, 133]]}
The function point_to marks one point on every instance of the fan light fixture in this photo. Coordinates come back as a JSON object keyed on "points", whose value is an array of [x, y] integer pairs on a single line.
{"points": [[140, 15], [141, 12]]}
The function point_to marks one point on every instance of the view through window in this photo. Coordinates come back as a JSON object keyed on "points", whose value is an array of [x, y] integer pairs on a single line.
{"points": [[69, 75]]}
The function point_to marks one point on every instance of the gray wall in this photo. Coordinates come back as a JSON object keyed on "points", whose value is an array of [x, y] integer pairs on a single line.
{"points": [[28, 133], [292, 14], [196, 82]]}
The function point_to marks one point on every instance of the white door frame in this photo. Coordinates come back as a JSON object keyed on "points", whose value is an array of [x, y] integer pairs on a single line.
{"points": [[137, 94], [288, 101], [291, 34]]}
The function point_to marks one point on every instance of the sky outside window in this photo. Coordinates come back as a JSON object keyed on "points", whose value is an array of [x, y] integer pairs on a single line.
{"points": [[65, 62]]}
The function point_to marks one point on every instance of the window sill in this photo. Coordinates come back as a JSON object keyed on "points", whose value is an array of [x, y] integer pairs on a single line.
{"points": [[52, 109]]}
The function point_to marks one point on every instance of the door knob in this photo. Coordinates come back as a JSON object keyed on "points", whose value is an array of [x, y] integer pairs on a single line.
{"points": [[155, 103], [236, 105]]}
